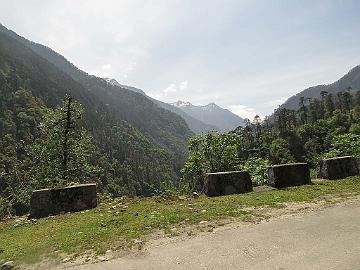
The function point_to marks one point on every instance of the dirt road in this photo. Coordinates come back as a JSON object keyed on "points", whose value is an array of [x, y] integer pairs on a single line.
{"points": [[324, 239]]}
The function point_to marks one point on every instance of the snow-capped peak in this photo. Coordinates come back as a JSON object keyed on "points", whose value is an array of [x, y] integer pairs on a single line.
{"points": [[112, 81]]}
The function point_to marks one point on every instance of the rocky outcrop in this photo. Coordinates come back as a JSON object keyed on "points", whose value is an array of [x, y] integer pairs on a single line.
{"points": [[47, 202], [226, 183], [339, 167], [286, 175]]}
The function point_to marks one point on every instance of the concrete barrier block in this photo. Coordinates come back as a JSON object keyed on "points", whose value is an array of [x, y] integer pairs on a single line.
{"points": [[339, 167], [287, 175], [46, 202], [226, 183]]}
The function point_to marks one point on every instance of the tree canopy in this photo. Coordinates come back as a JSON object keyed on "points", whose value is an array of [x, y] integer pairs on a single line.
{"points": [[320, 128]]}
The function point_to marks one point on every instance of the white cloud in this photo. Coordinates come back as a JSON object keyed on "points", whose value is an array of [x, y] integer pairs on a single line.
{"points": [[242, 111], [183, 85], [106, 66], [173, 88], [170, 89], [152, 95], [128, 70]]}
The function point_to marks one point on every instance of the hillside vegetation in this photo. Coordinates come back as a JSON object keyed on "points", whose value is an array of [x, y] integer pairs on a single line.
{"points": [[326, 127], [137, 145]]}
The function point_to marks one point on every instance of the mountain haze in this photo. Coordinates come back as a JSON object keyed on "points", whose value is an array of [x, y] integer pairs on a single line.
{"points": [[194, 124], [212, 114]]}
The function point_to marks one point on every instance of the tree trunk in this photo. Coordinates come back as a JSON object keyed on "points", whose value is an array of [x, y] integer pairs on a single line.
{"points": [[66, 139]]}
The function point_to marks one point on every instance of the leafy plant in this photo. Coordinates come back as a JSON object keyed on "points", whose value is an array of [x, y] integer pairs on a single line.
{"points": [[213, 152], [258, 170], [343, 145], [280, 152]]}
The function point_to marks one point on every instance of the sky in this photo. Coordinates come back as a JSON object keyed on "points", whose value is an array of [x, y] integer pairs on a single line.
{"points": [[247, 56]]}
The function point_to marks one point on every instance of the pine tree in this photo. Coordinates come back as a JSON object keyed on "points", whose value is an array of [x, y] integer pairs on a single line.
{"points": [[329, 105], [63, 151], [303, 111]]}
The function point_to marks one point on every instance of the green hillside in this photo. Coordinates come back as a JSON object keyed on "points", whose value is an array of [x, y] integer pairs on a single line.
{"points": [[138, 145]]}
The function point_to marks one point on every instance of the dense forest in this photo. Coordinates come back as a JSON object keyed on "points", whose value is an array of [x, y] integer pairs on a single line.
{"points": [[320, 128], [137, 146]]}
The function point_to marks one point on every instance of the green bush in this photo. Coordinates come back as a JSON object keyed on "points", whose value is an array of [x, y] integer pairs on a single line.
{"points": [[258, 169], [344, 145], [212, 152], [280, 152], [355, 129]]}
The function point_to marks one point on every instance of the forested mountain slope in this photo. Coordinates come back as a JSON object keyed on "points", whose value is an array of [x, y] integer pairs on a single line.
{"points": [[351, 79], [139, 144], [163, 126]]}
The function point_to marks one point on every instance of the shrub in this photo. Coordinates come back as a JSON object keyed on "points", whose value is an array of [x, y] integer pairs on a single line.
{"points": [[355, 129], [258, 170], [279, 152], [344, 145], [212, 152]]}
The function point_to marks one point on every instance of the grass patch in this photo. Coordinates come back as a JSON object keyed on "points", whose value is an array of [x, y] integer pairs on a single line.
{"points": [[116, 224]]}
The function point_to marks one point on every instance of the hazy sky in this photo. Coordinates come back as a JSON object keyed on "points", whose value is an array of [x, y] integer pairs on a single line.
{"points": [[248, 56]]}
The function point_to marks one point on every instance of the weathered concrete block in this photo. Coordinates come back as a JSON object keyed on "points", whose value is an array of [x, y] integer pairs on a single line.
{"points": [[47, 202], [226, 183], [286, 175], [339, 167]]}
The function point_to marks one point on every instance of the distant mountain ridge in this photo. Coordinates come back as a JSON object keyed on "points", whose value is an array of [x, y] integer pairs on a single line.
{"points": [[200, 119], [212, 114], [195, 125], [351, 79]]}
